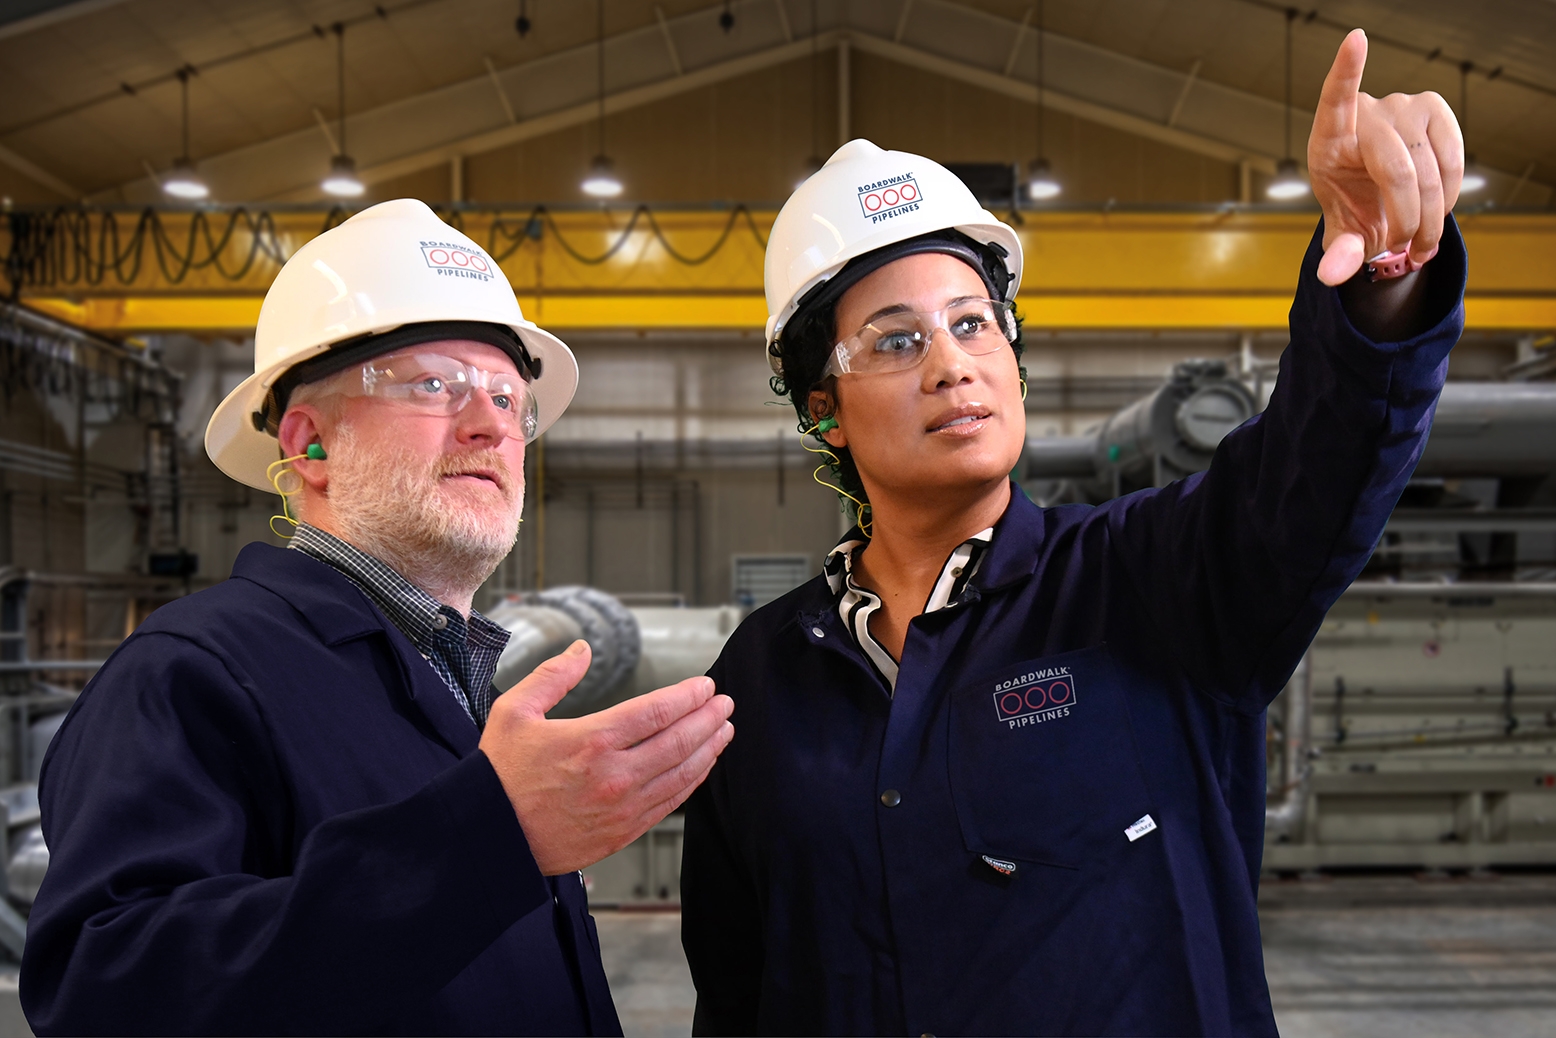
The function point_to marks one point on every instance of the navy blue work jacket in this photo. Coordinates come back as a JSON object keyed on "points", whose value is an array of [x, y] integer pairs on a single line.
{"points": [[1110, 664], [268, 815]]}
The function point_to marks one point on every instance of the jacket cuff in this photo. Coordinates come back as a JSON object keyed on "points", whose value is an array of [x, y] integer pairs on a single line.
{"points": [[485, 833], [1446, 275]]}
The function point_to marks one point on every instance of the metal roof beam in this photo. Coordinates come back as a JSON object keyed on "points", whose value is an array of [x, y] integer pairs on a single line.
{"points": [[947, 39], [38, 174]]}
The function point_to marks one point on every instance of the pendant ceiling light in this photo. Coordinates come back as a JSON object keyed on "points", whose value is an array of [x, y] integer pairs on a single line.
{"points": [[1474, 179], [182, 181], [1288, 183], [601, 181], [342, 181], [1041, 183]]}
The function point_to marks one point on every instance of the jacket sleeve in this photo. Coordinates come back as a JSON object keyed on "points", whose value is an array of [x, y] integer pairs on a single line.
{"points": [[721, 928], [1235, 567], [179, 900]]}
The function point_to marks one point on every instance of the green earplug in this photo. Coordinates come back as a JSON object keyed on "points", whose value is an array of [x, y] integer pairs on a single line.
{"points": [[316, 452], [827, 424]]}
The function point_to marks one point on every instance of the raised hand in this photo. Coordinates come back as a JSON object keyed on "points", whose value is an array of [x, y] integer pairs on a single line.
{"points": [[584, 788], [1385, 170]]}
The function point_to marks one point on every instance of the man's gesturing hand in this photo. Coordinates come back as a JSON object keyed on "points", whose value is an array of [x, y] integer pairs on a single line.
{"points": [[1385, 170], [584, 788]]}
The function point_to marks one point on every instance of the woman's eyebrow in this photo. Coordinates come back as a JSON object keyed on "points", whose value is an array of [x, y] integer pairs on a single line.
{"points": [[904, 308], [886, 311]]}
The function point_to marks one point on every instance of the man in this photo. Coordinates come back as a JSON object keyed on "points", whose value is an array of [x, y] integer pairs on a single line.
{"points": [[291, 803]]}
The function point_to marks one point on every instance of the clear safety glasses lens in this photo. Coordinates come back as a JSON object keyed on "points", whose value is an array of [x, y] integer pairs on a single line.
{"points": [[896, 342], [430, 383]]}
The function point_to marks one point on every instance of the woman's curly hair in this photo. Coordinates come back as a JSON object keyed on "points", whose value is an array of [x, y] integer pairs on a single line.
{"points": [[803, 349]]}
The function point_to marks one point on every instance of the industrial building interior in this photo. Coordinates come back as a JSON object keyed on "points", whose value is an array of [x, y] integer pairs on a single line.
{"points": [[160, 159]]}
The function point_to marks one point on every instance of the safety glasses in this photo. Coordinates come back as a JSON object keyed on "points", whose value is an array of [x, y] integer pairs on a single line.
{"points": [[898, 341], [433, 384]]}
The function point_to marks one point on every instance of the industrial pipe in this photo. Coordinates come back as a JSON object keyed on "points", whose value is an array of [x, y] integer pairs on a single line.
{"points": [[1165, 435], [543, 624], [1492, 429], [1480, 429], [1285, 815]]}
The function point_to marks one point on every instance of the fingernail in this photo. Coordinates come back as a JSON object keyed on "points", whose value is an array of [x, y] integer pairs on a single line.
{"points": [[577, 648]]}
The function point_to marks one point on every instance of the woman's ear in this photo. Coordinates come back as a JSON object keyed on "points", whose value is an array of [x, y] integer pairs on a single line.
{"points": [[824, 416], [300, 427]]}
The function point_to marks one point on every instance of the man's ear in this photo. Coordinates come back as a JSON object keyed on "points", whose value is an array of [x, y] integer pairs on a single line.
{"points": [[301, 426], [821, 405]]}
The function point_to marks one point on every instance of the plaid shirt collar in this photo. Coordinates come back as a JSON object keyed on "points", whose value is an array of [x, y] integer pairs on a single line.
{"points": [[463, 653], [856, 604]]}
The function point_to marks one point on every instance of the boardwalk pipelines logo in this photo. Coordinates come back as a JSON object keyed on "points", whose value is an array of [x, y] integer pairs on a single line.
{"points": [[1035, 697], [889, 198], [456, 260]]}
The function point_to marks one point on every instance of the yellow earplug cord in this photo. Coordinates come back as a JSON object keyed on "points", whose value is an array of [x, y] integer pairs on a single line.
{"points": [[827, 424], [275, 470]]}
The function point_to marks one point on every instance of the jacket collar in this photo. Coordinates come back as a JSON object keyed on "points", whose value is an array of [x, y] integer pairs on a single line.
{"points": [[338, 611], [1013, 554], [1010, 557]]}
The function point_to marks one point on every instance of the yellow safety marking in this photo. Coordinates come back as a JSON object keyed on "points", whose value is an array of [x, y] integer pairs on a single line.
{"points": [[1092, 270]]}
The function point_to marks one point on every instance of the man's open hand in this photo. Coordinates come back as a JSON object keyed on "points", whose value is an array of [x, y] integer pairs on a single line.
{"points": [[1385, 170], [586, 787]]}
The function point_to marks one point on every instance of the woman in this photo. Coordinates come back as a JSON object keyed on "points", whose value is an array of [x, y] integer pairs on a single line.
{"points": [[1001, 768]]}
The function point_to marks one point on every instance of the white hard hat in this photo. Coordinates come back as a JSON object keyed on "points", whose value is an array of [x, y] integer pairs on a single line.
{"points": [[392, 265], [862, 200]]}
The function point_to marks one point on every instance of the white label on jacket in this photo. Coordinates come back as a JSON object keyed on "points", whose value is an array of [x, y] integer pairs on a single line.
{"points": [[1146, 824]]}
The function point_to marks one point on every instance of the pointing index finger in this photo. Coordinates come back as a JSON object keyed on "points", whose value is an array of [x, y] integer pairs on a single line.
{"points": [[1336, 114]]}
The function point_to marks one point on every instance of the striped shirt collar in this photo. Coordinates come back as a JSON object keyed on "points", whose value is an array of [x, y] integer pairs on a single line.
{"points": [[857, 604], [464, 653]]}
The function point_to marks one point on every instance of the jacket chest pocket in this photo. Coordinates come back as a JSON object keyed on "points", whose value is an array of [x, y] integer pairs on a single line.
{"points": [[1042, 762]]}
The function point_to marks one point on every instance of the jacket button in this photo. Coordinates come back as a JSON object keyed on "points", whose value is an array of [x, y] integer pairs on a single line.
{"points": [[891, 798], [818, 632]]}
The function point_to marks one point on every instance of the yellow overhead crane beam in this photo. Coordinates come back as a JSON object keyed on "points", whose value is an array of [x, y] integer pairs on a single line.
{"points": [[596, 269]]}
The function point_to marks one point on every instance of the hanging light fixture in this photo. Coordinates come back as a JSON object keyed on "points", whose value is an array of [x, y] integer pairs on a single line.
{"points": [[602, 181], [182, 181], [1288, 183], [1041, 183], [814, 162], [1474, 179], [342, 181]]}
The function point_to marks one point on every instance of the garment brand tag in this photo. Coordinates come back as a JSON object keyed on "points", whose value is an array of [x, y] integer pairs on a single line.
{"points": [[1004, 868], [1146, 824]]}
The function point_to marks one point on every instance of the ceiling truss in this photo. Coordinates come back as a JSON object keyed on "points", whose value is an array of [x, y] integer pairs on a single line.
{"points": [[673, 56]]}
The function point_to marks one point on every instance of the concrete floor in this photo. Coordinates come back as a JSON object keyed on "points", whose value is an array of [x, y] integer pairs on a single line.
{"points": [[1402, 956], [647, 972], [1359, 957]]}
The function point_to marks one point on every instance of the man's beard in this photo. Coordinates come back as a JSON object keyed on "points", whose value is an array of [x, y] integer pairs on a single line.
{"points": [[396, 506]]}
